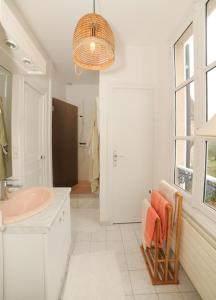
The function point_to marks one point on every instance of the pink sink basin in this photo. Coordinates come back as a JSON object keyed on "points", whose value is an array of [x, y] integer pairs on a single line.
{"points": [[26, 203]]}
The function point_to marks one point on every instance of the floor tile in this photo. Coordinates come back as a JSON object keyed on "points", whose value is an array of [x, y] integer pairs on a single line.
{"points": [[170, 296], [128, 235], [185, 285], [99, 236], [139, 235], [131, 246], [129, 298], [97, 246], [116, 246], [169, 288], [191, 296], [147, 297], [126, 226], [121, 259], [137, 226], [83, 237], [141, 283], [124, 239], [114, 236], [135, 261], [114, 227], [126, 283], [81, 247]]}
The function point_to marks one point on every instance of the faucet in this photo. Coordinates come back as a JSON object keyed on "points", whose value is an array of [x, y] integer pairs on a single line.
{"points": [[4, 185]]}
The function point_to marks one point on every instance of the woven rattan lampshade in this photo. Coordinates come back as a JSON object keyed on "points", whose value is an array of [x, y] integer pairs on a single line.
{"points": [[93, 43]]}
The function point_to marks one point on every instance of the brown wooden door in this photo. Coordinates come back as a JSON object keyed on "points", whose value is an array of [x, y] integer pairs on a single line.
{"points": [[64, 144]]}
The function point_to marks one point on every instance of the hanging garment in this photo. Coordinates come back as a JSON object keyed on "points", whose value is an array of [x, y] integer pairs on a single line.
{"points": [[94, 153], [3, 143]]}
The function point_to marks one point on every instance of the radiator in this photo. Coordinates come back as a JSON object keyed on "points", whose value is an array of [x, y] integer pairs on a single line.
{"points": [[198, 258]]}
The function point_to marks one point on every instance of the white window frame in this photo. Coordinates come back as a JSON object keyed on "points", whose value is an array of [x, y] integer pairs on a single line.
{"points": [[177, 88], [207, 210], [196, 198]]}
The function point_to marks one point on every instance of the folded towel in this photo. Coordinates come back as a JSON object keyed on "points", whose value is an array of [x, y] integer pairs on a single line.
{"points": [[169, 192], [145, 206], [151, 219], [159, 203]]}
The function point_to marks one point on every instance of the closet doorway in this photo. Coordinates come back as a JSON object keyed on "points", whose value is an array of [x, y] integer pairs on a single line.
{"points": [[84, 195], [64, 144]]}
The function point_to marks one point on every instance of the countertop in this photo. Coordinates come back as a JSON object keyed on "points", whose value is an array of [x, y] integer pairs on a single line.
{"points": [[41, 222]]}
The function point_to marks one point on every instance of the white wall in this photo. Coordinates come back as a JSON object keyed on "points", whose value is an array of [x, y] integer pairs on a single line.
{"points": [[134, 66], [83, 96], [58, 88], [164, 108]]}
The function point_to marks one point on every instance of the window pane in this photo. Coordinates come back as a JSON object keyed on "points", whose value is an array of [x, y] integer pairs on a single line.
{"points": [[211, 93], [184, 164], [185, 111], [210, 177], [211, 25], [184, 56]]}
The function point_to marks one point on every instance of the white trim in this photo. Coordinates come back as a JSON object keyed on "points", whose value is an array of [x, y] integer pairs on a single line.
{"points": [[49, 136], [185, 138], [210, 67], [184, 84]]}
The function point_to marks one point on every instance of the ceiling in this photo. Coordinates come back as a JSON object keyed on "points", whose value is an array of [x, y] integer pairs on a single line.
{"points": [[137, 22]]}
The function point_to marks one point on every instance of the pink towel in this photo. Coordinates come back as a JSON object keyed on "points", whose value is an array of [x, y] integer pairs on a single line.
{"points": [[159, 203], [151, 219]]}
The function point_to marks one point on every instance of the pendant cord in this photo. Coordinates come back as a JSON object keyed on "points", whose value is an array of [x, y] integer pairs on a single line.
{"points": [[94, 6]]}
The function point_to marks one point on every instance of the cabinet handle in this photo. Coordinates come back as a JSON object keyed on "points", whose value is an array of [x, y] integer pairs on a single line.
{"points": [[60, 220]]}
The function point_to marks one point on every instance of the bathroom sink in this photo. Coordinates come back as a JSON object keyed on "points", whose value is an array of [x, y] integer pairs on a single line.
{"points": [[26, 203]]}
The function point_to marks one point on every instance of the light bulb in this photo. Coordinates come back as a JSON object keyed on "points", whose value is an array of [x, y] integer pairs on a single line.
{"points": [[92, 46]]}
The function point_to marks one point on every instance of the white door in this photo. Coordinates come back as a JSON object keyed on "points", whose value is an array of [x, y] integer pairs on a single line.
{"points": [[33, 137], [130, 129]]}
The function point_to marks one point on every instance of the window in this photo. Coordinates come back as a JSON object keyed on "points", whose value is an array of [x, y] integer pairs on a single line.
{"points": [[211, 93], [184, 164], [211, 25], [210, 161], [184, 110], [210, 176]]}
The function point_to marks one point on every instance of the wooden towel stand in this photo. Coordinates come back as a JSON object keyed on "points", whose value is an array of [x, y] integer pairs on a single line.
{"points": [[163, 263]]}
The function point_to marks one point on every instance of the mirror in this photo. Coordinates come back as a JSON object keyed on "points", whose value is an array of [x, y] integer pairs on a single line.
{"points": [[5, 123]]}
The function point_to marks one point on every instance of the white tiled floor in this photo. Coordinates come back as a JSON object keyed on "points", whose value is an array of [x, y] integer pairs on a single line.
{"points": [[89, 236]]}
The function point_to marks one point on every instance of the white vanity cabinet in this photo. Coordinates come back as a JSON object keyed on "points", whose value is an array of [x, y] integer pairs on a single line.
{"points": [[36, 252]]}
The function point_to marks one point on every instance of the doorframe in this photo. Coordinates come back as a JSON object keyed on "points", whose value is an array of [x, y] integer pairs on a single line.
{"points": [[18, 109], [106, 205]]}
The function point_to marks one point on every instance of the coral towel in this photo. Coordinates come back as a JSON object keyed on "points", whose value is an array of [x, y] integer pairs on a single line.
{"points": [[169, 192], [151, 219], [159, 203]]}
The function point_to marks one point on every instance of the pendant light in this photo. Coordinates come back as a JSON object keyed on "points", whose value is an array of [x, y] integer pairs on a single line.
{"points": [[93, 42]]}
